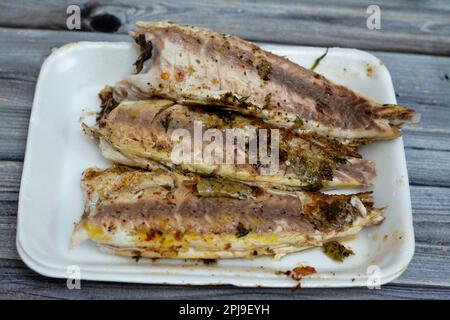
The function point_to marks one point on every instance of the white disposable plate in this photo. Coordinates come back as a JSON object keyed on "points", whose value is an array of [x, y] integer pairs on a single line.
{"points": [[57, 152]]}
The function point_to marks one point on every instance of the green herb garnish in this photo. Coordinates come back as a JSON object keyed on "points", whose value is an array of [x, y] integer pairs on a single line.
{"points": [[242, 99], [334, 209], [298, 121], [316, 63], [336, 251], [137, 258], [161, 111], [241, 231], [166, 123]]}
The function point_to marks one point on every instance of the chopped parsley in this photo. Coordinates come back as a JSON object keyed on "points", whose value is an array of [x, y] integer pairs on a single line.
{"points": [[334, 209], [137, 258], [242, 99], [337, 251], [298, 121], [241, 231], [166, 123], [316, 63]]}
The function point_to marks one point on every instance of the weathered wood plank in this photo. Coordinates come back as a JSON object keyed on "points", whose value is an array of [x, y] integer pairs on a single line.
{"points": [[428, 167], [10, 175], [19, 282], [8, 222], [422, 83], [426, 138], [404, 24], [13, 131]]}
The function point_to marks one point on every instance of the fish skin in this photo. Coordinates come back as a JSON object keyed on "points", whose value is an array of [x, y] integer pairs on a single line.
{"points": [[199, 66], [133, 134], [155, 214]]}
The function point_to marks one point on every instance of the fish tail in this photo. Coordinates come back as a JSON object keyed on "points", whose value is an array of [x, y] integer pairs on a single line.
{"points": [[356, 173], [396, 114]]}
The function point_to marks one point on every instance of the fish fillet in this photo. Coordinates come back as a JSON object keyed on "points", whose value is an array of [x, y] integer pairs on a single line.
{"points": [[140, 133], [155, 214], [198, 66]]}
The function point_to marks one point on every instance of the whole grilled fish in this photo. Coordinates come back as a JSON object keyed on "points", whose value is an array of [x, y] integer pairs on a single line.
{"points": [[156, 214], [141, 133], [198, 66]]}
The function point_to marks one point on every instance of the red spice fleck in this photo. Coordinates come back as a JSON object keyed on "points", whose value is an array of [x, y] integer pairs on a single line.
{"points": [[178, 235], [299, 272], [179, 75], [151, 235]]}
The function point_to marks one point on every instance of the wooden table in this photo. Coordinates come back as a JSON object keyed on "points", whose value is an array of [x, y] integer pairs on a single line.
{"points": [[414, 43]]}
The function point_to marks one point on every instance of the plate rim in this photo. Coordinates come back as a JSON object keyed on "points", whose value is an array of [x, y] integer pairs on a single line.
{"points": [[47, 270]]}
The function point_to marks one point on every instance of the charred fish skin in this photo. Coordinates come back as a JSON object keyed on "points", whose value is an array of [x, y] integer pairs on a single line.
{"points": [[139, 133], [198, 66], [155, 214]]}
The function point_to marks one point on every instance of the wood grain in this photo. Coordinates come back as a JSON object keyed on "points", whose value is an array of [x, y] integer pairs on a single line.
{"points": [[406, 26], [19, 282]]}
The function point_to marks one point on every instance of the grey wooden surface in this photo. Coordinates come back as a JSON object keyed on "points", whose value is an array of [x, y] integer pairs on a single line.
{"points": [[414, 43]]}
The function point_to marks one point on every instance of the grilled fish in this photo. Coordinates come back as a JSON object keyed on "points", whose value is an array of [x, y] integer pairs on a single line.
{"points": [[155, 214], [141, 133], [198, 66]]}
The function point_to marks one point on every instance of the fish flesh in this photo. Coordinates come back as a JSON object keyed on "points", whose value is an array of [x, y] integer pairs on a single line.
{"points": [[154, 214], [198, 66], [141, 134]]}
